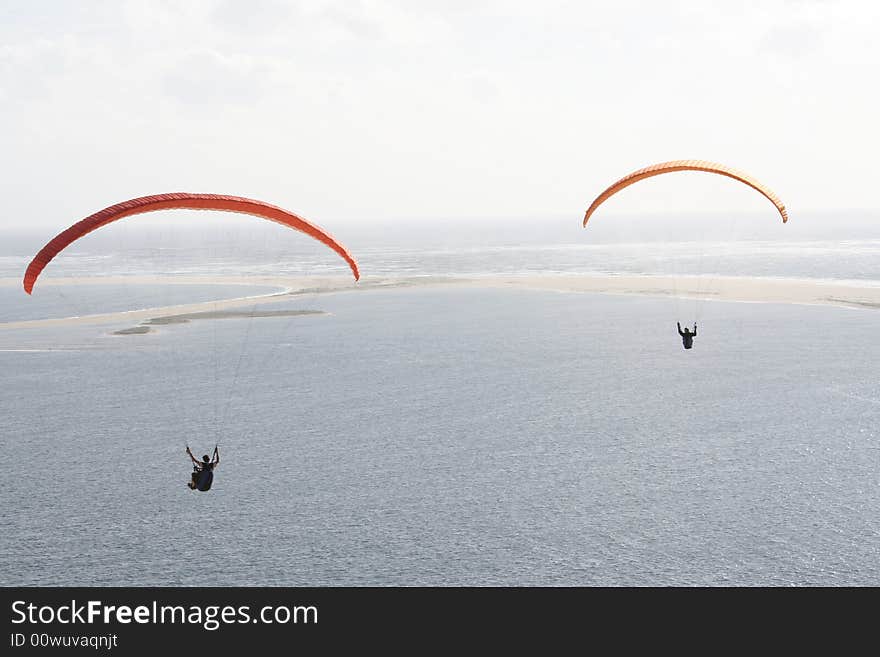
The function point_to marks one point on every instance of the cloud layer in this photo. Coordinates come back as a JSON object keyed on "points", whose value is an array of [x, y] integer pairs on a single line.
{"points": [[360, 110]]}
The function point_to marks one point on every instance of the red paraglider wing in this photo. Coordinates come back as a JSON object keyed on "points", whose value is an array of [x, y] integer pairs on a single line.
{"points": [[685, 165], [180, 201]]}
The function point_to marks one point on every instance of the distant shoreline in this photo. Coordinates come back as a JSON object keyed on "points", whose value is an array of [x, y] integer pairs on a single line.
{"points": [[851, 294], [718, 288]]}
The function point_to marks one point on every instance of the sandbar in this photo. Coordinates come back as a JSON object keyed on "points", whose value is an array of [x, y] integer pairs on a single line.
{"points": [[852, 294]]}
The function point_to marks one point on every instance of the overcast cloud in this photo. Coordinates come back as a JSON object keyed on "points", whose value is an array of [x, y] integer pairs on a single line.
{"points": [[353, 111]]}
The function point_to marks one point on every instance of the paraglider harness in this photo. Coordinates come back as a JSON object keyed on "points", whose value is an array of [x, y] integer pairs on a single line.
{"points": [[203, 473]]}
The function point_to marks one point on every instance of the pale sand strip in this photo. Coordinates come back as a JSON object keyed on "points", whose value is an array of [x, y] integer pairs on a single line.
{"points": [[756, 290], [286, 288]]}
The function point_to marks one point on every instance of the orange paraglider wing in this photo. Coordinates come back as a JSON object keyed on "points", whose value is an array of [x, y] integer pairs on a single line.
{"points": [[180, 201], [685, 165]]}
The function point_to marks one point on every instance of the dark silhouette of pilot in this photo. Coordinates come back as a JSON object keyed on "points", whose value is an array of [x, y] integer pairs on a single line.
{"points": [[687, 338]]}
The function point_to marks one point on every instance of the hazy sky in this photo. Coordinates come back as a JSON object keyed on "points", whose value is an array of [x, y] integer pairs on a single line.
{"points": [[351, 111]]}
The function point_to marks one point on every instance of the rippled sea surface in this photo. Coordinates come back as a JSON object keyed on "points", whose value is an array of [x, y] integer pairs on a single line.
{"points": [[829, 246], [446, 435]]}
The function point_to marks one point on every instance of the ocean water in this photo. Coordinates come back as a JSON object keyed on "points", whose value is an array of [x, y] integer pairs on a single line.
{"points": [[443, 435], [53, 301], [831, 246]]}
